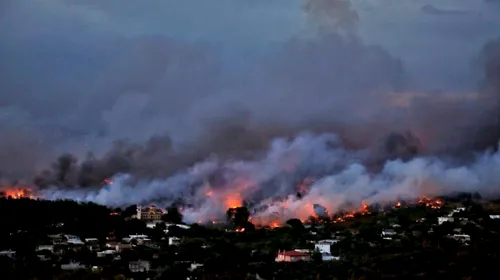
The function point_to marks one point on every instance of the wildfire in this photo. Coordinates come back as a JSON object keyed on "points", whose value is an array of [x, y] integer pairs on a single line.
{"points": [[305, 185], [18, 193], [398, 204], [240, 230], [233, 201], [432, 203]]}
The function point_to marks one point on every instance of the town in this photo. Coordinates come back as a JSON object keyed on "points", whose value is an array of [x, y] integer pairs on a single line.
{"points": [[455, 237]]}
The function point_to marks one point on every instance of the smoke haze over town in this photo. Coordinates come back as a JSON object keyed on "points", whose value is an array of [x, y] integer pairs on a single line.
{"points": [[245, 100]]}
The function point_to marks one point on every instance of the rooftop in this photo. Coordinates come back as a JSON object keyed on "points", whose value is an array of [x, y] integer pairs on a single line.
{"points": [[293, 254]]}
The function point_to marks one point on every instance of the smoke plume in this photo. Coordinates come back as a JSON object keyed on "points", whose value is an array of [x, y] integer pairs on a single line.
{"points": [[92, 96]]}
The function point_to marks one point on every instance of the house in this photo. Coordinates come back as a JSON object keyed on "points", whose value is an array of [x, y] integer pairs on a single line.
{"points": [[178, 225], [123, 246], [91, 240], [303, 251], [328, 257], [456, 210], [195, 266], [323, 247], [388, 232], [105, 253], [72, 266], [45, 247], [292, 256], [442, 220], [150, 213], [330, 241], [8, 253], [137, 237], [44, 257], [139, 266], [153, 224], [73, 239], [173, 241], [57, 239]]}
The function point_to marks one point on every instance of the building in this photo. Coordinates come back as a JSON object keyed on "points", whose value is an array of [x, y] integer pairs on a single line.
{"points": [[328, 257], [323, 247], [442, 220], [139, 266], [105, 253], [73, 239], [120, 247], [8, 253], [72, 266], [150, 213], [45, 247], [173, 241], [292, 256]]}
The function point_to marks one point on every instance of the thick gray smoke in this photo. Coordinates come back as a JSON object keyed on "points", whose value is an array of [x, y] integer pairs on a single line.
{"points": [[273, 180], [165, 112]]}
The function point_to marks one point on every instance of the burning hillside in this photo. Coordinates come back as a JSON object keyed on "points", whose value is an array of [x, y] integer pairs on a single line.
{"points": [[308, 176], [16, 192]]}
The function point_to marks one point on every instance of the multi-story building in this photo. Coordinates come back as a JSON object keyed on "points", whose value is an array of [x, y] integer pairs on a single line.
{"points": [[150, 213]]}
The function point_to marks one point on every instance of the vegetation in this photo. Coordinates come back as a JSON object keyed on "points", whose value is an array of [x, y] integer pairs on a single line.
{"points": [[420, 250]]}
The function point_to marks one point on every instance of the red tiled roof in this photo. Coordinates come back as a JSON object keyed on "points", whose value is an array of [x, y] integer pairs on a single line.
{"points": [[293, 254]]}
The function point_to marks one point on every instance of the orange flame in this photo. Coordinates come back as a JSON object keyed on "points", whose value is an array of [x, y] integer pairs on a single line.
{"points": [[233, 201], [18, 193]]}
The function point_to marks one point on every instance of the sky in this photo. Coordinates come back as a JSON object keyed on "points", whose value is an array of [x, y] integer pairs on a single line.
{"points": [[77, 75]]}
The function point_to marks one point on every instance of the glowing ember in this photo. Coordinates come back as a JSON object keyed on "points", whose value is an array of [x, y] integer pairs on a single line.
{"points": [[240, 230], [274, 225], [398, 204]]}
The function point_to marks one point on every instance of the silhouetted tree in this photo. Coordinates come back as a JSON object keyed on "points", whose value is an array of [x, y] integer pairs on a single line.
{"points": [[238, 216], [173, 215]]}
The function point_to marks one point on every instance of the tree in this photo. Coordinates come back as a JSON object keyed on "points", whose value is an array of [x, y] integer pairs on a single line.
{"points": [[316, 257], [238, 216], [296, 225], [173, 215], [129, 211]]}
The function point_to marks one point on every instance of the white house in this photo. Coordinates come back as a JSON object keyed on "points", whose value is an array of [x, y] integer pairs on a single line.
{"points": [[388, 232], [331, 241], [328, 257], [45, 247], [462, 238], [195, 266], [73, 239], [442, 220], [139, 266], [323, 247], [178, 225], [153, 224], [105, 253], [8, 253], [72, 266], [173, 241]]}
